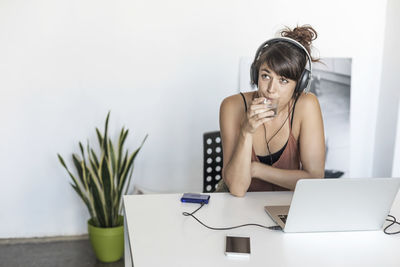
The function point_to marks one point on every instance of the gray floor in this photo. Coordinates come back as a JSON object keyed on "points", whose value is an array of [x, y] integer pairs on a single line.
{"points": [[74, 253]]}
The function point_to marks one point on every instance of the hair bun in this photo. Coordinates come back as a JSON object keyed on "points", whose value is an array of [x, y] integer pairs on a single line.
{"points": [[303, 34]]}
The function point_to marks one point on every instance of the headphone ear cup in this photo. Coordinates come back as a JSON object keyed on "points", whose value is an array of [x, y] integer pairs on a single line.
{"points": [[303, 81]]}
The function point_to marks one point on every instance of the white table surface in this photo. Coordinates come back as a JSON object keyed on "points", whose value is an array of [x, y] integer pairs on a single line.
{"points": [[157, 234]]}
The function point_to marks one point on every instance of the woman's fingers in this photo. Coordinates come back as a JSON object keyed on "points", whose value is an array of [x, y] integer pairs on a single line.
{"points": [[259, 100], [258, 106], [260, 118], [256, 109], [261, 113]]}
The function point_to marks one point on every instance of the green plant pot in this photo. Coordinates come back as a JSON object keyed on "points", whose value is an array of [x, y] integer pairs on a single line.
{"points": [[107, 243]]}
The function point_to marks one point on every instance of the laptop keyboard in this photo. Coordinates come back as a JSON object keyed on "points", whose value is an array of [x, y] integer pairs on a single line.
{"points": [[283, 218]]}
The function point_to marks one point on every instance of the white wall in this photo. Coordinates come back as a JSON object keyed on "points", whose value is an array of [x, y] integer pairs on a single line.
{"points": [[162, 67], [389, 95]]}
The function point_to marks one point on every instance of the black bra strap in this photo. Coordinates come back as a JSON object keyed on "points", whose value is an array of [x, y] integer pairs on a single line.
{"points": [[244, 100]]}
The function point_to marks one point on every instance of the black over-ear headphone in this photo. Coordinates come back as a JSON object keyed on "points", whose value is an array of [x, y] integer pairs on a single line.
{"points": [[305, 79]]}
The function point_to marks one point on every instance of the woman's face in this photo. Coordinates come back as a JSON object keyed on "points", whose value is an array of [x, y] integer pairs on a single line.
{"points": [[272, 86]]}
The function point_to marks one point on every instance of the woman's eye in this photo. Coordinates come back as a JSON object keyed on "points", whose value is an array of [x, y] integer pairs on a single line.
{"points": [[284, 81], [264, 76]]}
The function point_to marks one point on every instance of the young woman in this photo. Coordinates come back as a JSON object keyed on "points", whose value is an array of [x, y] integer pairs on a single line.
{"points": [[266, 149]]}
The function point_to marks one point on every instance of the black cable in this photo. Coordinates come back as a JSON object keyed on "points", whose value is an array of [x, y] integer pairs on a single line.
{"points": [[393, 221], [275, 227], [265, 132]]}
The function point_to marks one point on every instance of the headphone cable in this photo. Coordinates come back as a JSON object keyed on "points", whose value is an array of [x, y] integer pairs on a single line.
{"points": [[265, 131]]}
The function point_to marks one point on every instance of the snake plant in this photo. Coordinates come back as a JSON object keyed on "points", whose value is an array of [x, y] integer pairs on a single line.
{"points": [[102, 179]]}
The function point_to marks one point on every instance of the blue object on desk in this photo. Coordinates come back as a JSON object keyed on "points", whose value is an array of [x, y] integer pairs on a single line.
{"points": [[195, 198]]}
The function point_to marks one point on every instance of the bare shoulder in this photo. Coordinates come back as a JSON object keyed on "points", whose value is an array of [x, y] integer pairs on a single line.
{"points": [[307, 111], [307, 105], [234, 104]]}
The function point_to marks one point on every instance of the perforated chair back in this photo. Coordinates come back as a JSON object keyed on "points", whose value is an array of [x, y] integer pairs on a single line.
{"points": [[212, 161]]}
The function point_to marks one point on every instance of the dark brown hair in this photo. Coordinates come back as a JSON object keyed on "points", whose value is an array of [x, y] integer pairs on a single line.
{"points": [[287, 59]]}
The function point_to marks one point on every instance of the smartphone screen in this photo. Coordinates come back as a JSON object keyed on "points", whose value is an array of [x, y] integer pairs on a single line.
{"points": [[237, 246]]}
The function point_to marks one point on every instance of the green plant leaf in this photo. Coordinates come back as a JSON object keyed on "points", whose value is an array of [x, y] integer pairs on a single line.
{"points": [[105, 139], [127, 186], [129, 165], [123, 165], [113, 159], [104, 177], [121, 141], [99, 137], [75, 185], [62, 161], [79, 169], [94, 157], [82, 151], [95, 183], [87, 202], [93, 161], [70, 174], [98, 205]]}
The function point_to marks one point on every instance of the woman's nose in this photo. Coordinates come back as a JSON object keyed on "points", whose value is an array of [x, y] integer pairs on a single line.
{"points": [[272, 86]]}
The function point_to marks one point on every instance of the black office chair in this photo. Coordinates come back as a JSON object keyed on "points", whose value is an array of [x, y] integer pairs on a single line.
{"points": [[212, 161]]}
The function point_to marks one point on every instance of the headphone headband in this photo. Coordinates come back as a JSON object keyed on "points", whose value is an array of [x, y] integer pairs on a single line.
{"points": [[297, 44]]}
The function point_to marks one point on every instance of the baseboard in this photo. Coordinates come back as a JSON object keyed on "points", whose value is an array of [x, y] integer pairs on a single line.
{"points": [[37, 240]]}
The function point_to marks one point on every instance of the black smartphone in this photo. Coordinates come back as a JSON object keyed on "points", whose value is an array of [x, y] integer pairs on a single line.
{"points": [[195, 198], [237, 246]]}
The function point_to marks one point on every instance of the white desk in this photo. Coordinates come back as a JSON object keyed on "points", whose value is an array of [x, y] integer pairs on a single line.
{"points": [[157, 234]]}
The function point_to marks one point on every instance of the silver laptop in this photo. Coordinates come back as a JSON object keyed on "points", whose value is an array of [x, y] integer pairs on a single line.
{"points": [[346, 204]]}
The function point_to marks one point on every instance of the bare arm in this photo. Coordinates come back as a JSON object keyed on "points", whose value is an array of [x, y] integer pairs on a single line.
{"points": [[311, 145], [237, 128]]}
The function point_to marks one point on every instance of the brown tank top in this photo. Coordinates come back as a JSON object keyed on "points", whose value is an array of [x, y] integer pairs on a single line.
{"points": [[289, 160]]}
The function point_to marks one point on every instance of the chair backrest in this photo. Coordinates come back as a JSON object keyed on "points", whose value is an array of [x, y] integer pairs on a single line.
{"points": [[212, 161]]}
